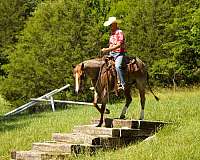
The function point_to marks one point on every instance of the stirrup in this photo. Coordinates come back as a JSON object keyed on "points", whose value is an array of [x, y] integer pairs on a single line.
{"points": [[120, 87]]}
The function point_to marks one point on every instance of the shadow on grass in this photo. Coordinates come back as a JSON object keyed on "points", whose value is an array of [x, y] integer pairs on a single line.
{"points": [[23, 119], [8, 127], [16, 121]]}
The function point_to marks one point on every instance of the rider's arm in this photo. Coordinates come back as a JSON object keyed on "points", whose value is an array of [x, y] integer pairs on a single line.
{"points": [[118, 44], [105, 50]]}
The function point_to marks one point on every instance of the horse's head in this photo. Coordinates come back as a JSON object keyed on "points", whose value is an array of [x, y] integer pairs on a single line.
{"points": [[79, 76]]}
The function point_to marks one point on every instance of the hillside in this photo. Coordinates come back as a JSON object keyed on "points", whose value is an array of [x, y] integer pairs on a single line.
{"points": [[178, 141]]}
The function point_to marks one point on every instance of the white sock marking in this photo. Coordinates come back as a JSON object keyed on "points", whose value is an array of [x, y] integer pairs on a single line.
{"points": [[142, 114]]}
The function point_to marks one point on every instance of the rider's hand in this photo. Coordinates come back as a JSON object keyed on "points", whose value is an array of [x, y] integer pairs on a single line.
{"points": [[104, 50]]}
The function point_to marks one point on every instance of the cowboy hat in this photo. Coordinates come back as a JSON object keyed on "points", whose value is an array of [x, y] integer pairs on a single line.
{"points": [[111, 20]]}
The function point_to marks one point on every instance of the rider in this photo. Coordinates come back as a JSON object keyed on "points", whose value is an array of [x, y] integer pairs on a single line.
{"points": [[116, 47]]}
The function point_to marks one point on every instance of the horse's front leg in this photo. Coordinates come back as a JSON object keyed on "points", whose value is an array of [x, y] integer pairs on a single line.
{"points": [[103, 106], [107, 111], [127, 93], [104, 98]]}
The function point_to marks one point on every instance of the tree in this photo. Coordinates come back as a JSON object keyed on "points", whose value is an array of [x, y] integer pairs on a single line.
{"points": [[13, 15], [184, 44], [59, 33]]}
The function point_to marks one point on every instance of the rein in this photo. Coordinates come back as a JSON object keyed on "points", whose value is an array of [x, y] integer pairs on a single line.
{"points": [[99, 77], [107, 80]]}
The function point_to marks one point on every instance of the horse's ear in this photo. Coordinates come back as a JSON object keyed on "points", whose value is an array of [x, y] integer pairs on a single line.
{"points": [[82, 66], [73, 66]]}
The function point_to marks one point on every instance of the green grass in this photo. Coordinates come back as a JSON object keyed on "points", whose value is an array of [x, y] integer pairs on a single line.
{"points": [[180, 141]]}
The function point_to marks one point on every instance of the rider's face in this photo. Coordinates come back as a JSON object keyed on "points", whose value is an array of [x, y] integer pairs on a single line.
{"points": [[113, 27]]}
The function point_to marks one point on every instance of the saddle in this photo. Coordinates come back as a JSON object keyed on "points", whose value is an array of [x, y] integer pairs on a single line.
{"points": [[129, 65]]}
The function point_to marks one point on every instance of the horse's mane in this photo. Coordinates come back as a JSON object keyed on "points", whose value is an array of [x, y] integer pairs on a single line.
{"points": [[93, 62]]}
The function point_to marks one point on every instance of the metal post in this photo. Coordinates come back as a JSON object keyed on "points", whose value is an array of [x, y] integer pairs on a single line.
{"points": [[52, 103], [29, 104]]}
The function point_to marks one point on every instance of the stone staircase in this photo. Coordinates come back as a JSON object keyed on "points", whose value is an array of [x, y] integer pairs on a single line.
{"points": [[88, 139]]}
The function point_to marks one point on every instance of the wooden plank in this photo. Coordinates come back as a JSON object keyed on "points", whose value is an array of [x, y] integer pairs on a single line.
{"points": [[52, 147], [134, 124], [112, 132], [147, 124], [131, 133], [93, 130], [36, 155], [76, 138], [64, 148], [111, 142], [117, 123], [104, 140]]}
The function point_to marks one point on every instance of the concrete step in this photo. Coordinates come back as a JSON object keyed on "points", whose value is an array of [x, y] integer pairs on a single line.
{"points": [[112, 132], [36, 155], [59, 147]]}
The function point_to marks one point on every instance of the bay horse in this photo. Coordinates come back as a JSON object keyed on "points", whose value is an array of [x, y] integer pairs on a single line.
{"points": [[104, 80]]}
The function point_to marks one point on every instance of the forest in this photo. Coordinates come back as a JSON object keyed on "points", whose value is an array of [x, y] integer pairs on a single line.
{"points": [[41, 39]]}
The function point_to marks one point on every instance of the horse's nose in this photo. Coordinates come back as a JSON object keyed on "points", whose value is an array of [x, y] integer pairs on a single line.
{"points": [[76, 91]]}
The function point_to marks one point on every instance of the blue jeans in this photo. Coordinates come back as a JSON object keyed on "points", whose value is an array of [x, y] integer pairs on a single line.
{"points": [[119, 66]]}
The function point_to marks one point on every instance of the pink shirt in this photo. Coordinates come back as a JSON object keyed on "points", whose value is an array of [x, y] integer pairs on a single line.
{"points": [[116, 37]]}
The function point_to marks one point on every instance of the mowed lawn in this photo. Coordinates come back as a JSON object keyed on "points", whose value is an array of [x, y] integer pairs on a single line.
{"points": [[180, 141]]}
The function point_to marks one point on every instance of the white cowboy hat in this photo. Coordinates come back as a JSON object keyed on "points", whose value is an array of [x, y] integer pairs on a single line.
{"points": [[111, 20]]}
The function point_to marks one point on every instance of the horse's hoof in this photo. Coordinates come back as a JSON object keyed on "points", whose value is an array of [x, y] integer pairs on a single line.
{"points": [[122, 117], [107, 111], [99, 125]]}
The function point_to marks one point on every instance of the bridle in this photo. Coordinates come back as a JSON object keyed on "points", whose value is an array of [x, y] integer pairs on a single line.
{"points": [[83, 76]]}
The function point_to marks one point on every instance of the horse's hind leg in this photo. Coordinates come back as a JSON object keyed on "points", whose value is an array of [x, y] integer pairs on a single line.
{"points": [[141, 86], [127, 93]]}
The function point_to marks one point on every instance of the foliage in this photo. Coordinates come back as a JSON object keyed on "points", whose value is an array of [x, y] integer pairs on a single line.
{"points": [[60, 34], [184, 47], [13, 15], [163, 33]]}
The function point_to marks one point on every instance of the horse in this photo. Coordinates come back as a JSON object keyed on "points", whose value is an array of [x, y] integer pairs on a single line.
{"points": [[104, 80]]}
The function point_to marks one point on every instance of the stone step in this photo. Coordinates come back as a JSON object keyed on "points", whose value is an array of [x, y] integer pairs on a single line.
{"points": [[112, 132], [59, 147], [36, 155], [134, 124]]}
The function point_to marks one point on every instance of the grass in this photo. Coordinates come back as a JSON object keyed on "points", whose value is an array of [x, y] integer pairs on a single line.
{"points": [[180, 141]]}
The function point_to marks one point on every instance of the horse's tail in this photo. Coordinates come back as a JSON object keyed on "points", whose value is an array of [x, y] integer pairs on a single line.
{"points": [[150, 87]]}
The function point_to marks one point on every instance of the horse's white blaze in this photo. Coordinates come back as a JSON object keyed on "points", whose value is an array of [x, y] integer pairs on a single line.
{"points": [[77, 84]]}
